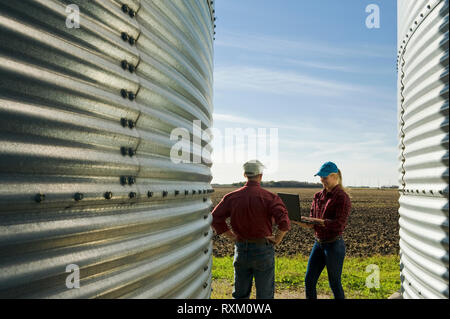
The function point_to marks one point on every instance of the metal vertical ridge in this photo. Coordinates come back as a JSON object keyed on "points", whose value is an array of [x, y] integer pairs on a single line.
{"points": [[86, 176], [423, 40], [402, 124]]}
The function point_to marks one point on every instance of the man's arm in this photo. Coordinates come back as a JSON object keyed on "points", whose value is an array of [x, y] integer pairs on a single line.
{"points": [[230, 235], [280, 215], [220, 213]]}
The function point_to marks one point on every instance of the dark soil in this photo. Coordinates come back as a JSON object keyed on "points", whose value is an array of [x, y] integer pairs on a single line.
{"points": [[372, 228]]}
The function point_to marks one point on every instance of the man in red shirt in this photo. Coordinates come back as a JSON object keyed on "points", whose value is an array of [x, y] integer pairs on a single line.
{"points": [[252, 210]]}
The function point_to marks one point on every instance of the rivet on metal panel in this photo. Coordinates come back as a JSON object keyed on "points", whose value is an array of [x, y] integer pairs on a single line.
{"points": [[149, 194], [39, 198], [125, 8], [108, 195], [124, 64], [132, 195], [124, 93], [78, 196], [131, 152], [123, 180], [131, 180], [123, 122], [164, 193]]}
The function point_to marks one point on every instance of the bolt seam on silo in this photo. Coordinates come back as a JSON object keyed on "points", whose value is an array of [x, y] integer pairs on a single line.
{"points": [[401, 63]]}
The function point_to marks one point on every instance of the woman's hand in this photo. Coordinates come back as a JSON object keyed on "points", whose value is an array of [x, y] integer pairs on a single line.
{"points": [[317, 221]]}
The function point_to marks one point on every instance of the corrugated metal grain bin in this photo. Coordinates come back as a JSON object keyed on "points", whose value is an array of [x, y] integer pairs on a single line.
{"points": [[424, 136], [86, 178]]}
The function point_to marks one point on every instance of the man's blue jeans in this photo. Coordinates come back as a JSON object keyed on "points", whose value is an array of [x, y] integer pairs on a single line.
{"points": [[254, 260], [330, 255]]}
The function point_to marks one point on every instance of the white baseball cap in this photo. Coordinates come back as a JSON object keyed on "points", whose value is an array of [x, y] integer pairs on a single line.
{"points": [[253, 168]]}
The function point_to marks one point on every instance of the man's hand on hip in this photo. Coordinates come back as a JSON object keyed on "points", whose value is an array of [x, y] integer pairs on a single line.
{"points": [[276, 240], [230, 235]]}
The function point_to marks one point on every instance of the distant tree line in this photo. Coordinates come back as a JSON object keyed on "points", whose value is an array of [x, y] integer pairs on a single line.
{"points": [[286, 184]]}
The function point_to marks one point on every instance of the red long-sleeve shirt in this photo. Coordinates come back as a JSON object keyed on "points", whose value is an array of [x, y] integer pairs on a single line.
{"points": [[334, 207], [251, 210]]}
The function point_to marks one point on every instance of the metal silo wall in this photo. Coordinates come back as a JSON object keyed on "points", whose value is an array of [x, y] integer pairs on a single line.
{"points": [[424, 136], [85, 171]]}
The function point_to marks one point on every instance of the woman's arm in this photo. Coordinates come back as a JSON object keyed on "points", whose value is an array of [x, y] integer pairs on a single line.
{"points": [[342, 209], [304, 225]]}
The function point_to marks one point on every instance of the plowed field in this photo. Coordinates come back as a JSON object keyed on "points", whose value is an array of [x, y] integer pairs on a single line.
{"points": [[372, 226]]}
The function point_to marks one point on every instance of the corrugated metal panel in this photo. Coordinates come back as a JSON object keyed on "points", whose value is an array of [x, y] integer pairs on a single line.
{"points": [[85, 171], [424, 139]]}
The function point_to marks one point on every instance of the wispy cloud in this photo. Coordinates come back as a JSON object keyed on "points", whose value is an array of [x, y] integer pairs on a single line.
{"points": [[280, 82], [355, 150], [302, 126], [329, 66], [279, 46]]}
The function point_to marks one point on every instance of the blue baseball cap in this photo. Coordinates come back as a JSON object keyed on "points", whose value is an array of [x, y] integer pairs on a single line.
{"points": [[327, 169]]}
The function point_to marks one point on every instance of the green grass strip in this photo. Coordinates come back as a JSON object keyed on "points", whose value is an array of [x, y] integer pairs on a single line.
{"points": [[358, 275]]}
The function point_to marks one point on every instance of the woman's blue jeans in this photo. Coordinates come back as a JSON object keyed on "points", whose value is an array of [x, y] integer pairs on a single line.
{"points": [[330, 255], [258, 261]]}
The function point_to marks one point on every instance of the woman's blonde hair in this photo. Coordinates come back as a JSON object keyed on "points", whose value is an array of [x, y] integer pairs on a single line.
{"points": [[340, 183]]}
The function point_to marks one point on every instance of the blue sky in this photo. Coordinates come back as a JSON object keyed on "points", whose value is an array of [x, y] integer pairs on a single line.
{"points": [[314, 71]]}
